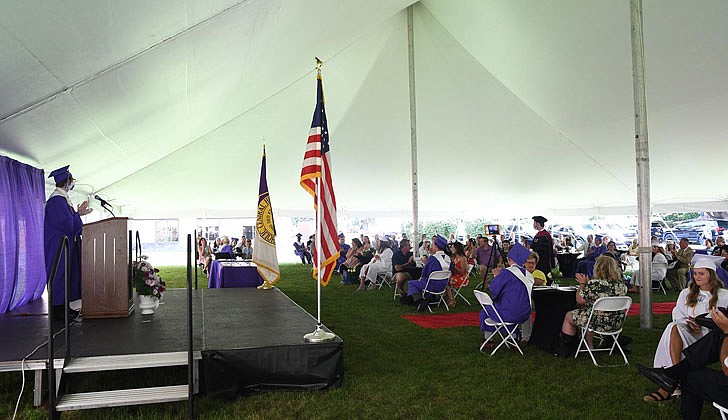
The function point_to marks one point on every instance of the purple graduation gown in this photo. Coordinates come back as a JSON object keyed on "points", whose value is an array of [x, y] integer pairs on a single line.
{"points": [[510, 297], [61, 220], [434, 263]]}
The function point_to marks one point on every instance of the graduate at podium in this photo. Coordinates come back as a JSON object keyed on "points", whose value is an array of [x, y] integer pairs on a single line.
{"points": [[62, 219]]}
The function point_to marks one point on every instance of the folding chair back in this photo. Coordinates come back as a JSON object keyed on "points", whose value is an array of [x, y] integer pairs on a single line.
{"points": [[611, 304], [509, 328], [722, 410], [439, 295], [457, 290], [659, 285]]}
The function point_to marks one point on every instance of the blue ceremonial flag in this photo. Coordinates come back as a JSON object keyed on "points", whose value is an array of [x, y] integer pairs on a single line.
{"points": [[264, 251]]}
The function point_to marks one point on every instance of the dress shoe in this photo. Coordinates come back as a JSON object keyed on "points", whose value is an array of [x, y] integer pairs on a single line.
{"points": [[658, 376]]}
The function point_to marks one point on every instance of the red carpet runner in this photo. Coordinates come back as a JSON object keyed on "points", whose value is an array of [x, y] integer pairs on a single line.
{"points": [[472, 319]]}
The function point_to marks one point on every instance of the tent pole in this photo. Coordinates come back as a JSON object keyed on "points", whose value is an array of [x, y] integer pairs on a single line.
{"points": [[413, 126], [642, 156]]}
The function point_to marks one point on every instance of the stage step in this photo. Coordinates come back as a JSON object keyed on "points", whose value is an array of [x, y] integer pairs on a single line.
{"points": [[130, 361], [121, 397]]}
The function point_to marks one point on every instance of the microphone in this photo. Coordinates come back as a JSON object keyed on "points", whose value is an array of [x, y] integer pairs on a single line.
{"points": [[103, 202]]}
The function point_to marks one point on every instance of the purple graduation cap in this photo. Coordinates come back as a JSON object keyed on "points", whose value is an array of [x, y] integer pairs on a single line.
{"points": [[519, 253], [60, 174], [441, 242]]}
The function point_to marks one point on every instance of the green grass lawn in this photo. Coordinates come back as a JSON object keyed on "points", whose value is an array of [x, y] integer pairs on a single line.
{"points": [[397, 370]]}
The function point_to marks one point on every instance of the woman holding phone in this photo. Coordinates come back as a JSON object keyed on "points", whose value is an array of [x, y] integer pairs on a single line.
{"points": [[704, 293]]}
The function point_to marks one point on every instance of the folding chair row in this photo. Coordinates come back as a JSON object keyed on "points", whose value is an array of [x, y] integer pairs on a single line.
{"points": [[457, 291]]}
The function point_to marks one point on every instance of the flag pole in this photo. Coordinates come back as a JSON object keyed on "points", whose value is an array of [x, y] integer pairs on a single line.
{"points": [[319, 334]]}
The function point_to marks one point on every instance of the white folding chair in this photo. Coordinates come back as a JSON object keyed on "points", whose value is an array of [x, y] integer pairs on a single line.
{"points": [[722, 410], [659, 285], [440, 295], [614, 304], [456, 290], [383, 278], [510, 328]]}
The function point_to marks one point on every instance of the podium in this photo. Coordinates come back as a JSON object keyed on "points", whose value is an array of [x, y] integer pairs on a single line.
{"points": [[106, 269]]}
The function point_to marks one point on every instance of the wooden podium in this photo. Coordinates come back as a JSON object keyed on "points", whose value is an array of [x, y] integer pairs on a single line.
{"points": [[105, 269]]}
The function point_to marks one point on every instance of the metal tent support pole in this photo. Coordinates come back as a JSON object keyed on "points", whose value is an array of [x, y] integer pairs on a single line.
{"points": [[413, 125], [190, 343], [642, 156]]}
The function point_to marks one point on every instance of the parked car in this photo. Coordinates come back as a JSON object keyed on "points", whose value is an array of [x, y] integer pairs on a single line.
{"points": [[697, 231], [663, 232]]}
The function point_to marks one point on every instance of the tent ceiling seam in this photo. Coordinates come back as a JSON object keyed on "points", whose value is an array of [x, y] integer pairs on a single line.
{"points": [[561, 133], [65, 89]]}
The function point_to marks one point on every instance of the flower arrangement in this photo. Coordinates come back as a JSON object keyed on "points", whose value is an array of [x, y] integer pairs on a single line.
{"points": [[146, 279]]}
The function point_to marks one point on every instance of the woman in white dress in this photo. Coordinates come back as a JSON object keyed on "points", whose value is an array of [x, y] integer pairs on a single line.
{"points": [[381, 263], [705, 292]]}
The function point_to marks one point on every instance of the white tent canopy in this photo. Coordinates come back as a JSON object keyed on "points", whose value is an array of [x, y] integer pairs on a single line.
{"points": [[522, 106]]}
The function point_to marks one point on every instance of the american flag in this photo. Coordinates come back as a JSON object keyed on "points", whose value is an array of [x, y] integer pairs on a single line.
{"points": [[316, 171]]}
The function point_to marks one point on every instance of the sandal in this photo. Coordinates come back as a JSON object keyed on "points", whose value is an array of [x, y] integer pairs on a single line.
{"points": [[657, 398]]}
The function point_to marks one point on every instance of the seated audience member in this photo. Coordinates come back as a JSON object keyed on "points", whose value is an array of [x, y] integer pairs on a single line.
{"points": [[226, 247], [510, 290], [677, 275], [204, 254], [669, 251], [659, 268], [367, 244], [217, 244], [719, 244], [301, 250], [239, 244], [586, 266], [438, 261], [487, 257], [469, 250], [539, 279], [380, 263], [352, 264], [698, 382], [607, 282], [506, 248], [246, 252], [632, 250], [425, 250], [404, 266], [614, 254], [586, 249], [708, 246], [343, 250], [705, 293], [569, 245], [459, 272], [722, 270]]}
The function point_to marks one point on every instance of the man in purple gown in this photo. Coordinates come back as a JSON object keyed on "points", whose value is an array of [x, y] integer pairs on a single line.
{"points": [[510, 290], [62, 220]]}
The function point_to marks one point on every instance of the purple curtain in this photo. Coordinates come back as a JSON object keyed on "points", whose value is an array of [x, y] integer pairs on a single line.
{"points": [[22, 264]]}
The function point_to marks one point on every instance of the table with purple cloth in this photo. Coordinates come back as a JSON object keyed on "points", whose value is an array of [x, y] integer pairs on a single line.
{"points": [[233, 274], [551, 305]]}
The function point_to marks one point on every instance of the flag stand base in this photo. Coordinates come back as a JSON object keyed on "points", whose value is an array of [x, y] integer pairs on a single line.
{"points": [[266, 286], [319, 335]]}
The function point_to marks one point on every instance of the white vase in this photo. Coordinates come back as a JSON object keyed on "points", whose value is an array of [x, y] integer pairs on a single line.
{"points": [[148, 304]]}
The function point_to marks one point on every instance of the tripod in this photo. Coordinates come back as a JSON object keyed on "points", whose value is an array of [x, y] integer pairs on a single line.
{"points": [[496, 247]]}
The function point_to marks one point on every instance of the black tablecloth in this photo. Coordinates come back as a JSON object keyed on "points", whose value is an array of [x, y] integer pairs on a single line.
{"points": [[551, 305], [567, 264]]}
